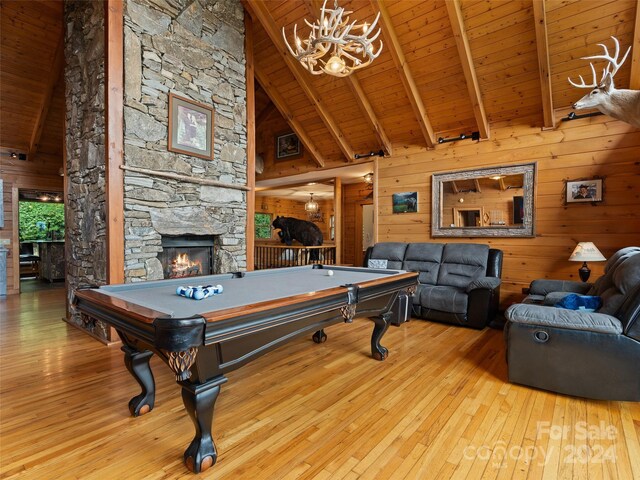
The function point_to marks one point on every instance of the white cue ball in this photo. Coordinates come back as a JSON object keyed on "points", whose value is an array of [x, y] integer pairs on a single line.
{"points": [[330, 272]]}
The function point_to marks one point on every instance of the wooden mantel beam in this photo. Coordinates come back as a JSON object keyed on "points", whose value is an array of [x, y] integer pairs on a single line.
{"points": [[259, 11], [544, 67], [466, 60], [409, 84], [284, 110], [56, 72], [314, 7]]}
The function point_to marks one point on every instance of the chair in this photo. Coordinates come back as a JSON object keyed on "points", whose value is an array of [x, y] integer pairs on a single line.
{"points": [[582, 353], [29, 263]]}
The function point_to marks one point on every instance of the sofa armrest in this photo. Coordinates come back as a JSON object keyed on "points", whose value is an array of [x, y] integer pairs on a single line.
{"points": [[490, 283], [544, 286], [539, 315]]}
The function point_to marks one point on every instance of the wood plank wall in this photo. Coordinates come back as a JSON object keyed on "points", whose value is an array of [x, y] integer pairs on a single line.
{"points": [[579, 149], [272, 125], [285, 207]]}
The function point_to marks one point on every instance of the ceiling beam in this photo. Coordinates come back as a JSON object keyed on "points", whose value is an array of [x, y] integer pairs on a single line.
{"points": [[284, 110], [259, 11], [370, 115], [56, 72], [314, 7], [466, 60], [544, 67], [409, 84], [635, 54]]}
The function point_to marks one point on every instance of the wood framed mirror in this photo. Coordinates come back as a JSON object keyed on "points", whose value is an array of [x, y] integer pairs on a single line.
{"points": [[487, 202]]}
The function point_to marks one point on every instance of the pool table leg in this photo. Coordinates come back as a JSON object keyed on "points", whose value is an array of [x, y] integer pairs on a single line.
{"points": [[381, 325], [319, 336], [138, 365], [199, 401]]}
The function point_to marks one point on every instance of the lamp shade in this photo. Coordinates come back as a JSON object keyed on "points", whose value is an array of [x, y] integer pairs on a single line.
{"points": [[586, 252]]}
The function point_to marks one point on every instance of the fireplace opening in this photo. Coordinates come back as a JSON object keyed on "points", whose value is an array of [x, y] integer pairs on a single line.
{"points": [[187, 256]]}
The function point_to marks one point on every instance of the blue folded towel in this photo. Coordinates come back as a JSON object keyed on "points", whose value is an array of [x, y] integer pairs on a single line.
{"points": [[574, 301]]}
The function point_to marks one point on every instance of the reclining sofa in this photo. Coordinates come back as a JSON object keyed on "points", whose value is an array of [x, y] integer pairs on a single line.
{"points": [[458, 283], [592, 354]]}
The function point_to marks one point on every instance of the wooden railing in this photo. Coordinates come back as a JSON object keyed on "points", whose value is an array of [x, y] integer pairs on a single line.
{"points": [[269, 255]]}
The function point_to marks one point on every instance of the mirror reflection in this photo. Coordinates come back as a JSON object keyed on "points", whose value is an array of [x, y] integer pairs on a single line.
{"points": [[485, 202]]}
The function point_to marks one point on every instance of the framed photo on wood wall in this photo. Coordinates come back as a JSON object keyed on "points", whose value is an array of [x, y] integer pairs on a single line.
{"points": [[406, 202], [288, 146], [583, 190], [190, 127]]}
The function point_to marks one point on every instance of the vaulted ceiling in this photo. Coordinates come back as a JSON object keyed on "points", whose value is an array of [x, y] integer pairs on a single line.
{"points": [[447, 68], [31, 80]]}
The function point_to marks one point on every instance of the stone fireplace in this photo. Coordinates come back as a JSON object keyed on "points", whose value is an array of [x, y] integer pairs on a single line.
{"points": [[195, 52], [193, 49]]}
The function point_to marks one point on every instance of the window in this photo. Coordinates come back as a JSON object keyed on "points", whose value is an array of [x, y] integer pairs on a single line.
{"points": [[263, 225], [41, 221]]}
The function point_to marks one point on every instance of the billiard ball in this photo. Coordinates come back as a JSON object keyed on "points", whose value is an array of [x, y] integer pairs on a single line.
{"points": [[198, 294], [330, 272]]}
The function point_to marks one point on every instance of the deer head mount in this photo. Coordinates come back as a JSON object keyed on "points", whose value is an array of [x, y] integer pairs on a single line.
{"points": [[621, 104]]}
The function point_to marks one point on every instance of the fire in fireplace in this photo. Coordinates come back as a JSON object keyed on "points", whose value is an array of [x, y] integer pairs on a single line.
{"points": [[187, 256], [182, 266]]}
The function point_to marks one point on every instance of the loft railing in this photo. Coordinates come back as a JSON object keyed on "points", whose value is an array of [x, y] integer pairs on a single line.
{"points": [[278, 256]]}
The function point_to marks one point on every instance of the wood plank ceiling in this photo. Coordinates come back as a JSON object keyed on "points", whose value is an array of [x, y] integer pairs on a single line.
{"points": [[447, 67], [31, 82]]}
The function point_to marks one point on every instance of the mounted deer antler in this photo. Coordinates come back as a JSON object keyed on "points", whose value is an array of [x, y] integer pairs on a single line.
{"points": [[621, 104]]}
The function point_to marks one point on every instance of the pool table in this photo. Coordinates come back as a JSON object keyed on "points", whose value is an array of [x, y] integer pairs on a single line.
{"points": [[201, 340]]}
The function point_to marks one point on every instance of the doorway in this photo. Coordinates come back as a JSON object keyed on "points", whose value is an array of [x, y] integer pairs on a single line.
{"points": [[41, 235]]}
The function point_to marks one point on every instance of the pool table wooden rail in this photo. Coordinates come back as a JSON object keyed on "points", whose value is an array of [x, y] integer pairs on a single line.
{"points": [[148, 315]]}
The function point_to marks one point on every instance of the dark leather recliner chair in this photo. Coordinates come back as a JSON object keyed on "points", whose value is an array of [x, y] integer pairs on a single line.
{"points": [[458, 283], [582, 353]]}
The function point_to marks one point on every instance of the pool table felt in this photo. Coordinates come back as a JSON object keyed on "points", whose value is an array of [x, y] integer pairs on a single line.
{"points": [[254, 287]]}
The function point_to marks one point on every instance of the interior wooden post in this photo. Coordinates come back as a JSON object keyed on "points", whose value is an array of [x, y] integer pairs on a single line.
{"points": [[337, 208], [251, 142], [114, 142]]}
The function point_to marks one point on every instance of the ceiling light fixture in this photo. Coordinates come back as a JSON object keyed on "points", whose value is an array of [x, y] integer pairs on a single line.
{"points": [[311, 206], [368, 178], [331, 47], [462, 136], [575, 116], [379, 153]]}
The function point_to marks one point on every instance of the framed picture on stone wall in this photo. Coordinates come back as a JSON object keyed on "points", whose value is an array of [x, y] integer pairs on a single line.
{"points": [[190, 127]]}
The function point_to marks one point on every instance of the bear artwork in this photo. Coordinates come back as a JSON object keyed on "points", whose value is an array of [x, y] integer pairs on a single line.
{"points": [[307, 233]]}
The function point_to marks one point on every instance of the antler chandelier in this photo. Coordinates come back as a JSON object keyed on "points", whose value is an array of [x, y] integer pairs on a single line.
{"points": [[332, 48]]}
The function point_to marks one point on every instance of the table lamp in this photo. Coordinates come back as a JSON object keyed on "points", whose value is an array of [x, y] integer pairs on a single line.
{"points": [[586, 252]]}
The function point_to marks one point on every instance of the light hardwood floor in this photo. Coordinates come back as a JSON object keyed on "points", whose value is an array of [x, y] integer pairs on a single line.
{"points": [[439, 407]]}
